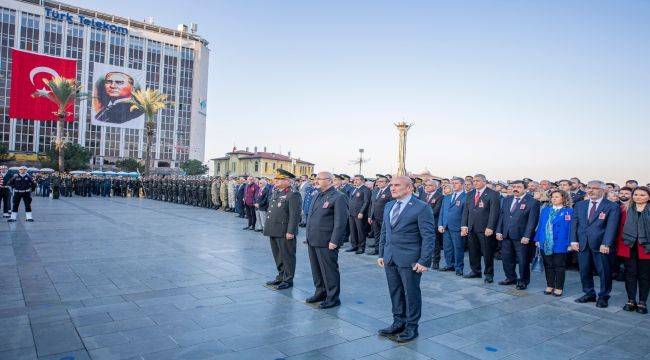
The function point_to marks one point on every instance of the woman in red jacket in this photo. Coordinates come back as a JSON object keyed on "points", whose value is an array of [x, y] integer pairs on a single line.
{"points": [[633, 244]]}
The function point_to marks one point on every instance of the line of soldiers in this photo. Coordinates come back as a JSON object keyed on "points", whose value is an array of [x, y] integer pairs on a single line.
{"points": [[186, 190], [86, 185]]}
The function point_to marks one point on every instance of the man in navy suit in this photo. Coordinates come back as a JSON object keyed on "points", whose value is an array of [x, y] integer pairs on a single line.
{"points": [[432, 195], [359, 206], [380, 197], [593, 233], [517, 223], [479, 221], [451, 213], [405, 248]]}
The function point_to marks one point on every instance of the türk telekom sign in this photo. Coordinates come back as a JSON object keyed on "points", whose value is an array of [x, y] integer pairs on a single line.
{"points": [[84, 20]]}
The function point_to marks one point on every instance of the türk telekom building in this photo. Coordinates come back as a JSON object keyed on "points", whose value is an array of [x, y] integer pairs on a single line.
{"points": [[173, 61]]}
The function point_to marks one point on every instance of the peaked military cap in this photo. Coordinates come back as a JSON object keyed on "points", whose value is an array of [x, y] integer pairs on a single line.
{"points": [[284, 174]]}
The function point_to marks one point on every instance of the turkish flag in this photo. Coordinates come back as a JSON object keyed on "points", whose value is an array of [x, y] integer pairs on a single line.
{"points": [[28, 70]]}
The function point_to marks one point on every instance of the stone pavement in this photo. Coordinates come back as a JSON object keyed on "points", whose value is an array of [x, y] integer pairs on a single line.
{"points": [[133, 278]]}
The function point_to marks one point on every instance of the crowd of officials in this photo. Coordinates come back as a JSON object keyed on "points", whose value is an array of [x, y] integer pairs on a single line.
{"points": [[414, 225], [601, 228]]}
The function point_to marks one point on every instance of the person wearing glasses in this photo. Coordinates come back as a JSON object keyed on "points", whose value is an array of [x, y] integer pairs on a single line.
{"points": [[593, 232]]}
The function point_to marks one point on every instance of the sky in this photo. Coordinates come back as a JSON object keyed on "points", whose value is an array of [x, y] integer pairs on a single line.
{"points": [[511, 89]]}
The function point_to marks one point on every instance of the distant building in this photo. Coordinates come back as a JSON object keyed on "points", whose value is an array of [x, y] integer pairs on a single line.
{"points": [[258, 164]]}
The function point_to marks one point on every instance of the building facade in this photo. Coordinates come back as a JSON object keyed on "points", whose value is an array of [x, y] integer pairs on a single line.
{"points": [[258, 164], [175, 61]]}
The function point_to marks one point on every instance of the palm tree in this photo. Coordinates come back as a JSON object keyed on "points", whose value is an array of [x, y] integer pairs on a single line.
{"points": [[149, 101], [63, 93]]}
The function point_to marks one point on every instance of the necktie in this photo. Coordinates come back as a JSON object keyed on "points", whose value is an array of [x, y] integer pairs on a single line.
{"points": [[453, 198], [476, 197], [516, 204], [592, 212], [395, 213], [429, 197], [379, 193]]}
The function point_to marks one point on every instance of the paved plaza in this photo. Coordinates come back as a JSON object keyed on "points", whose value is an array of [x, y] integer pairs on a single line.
{"points": [[120, 278]]}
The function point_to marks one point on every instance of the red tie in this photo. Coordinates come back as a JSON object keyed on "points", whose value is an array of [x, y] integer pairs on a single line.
{"points": [[592, 212], [476, 197]]}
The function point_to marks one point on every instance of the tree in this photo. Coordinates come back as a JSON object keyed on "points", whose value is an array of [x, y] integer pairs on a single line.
{"points": [[63, 93], [194, 167], [149, 101], [4, 154], [76, 157], [130, 165]]}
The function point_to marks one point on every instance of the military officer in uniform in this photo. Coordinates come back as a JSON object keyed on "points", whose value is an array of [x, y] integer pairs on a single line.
{"points": [[326, 224], [283, 218], [5, 191]]}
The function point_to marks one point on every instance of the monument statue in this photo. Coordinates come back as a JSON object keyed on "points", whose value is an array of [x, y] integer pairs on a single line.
{"points": [[403, 128]]}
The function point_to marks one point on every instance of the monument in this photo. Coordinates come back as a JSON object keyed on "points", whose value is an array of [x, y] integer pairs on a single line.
{"points": [[403, 128]]}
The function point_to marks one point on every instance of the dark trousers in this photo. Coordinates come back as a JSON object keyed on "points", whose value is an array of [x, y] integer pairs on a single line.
{"points": [[358, 232], [5, 195], [405, 295], [454, 249], [481, 245], [55, 192], [437, 249], [376, 231], [27, 200], [637, 273], [250, 212], [284, 254], [555, 269], [589, 260], [513, 252], [325, 271]]}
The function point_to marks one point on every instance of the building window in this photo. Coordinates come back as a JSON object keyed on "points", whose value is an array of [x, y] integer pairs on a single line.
{"points": [[218, 167], [233, 167], [273, 166], [257, 166]]}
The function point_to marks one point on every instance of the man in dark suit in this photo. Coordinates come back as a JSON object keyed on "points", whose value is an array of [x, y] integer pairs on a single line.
{"points": [[517, 223], [577, 195], [262, 202], [328, 218], [359, 205], [432, 196], [593, 233], [380, 197], [451, 214], [405, 246], [479, 221], [283, 218]]}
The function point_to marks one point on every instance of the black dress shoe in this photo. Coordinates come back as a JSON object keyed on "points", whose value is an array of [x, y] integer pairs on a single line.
{"points": [[273, 282], [472, 275], [507, 282], [373, 252], [602, 303], [30, 220], [488, 280], [585, 299], [407, 335], [630, 306], [11, 220], [435, 266], [351, 250], [521, 286], [329, 304], [459, 273], [642, 308], [315, 299], [448, 268], [360, 251], [392, 330], [246, 228], [284, 285]]}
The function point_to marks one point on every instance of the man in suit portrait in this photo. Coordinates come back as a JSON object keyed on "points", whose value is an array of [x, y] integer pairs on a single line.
{"points": [[517, 222], [451, 213], [432, 196], [359, 205], [380, 197], [113, 98], [405, 251], [479, 222], [326, 224], [593, 232]]}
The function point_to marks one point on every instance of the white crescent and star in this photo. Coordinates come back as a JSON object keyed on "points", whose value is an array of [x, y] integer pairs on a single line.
{"points": [[42, 69]]}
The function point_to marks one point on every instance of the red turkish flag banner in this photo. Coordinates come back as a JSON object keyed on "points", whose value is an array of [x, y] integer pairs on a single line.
{"points": [[28, 70]]}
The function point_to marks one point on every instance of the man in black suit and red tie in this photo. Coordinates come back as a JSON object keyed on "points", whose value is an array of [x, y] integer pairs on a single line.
{"points": [[515, 228], [479, 222], [380, 196], [432, 196], [359, 206]]}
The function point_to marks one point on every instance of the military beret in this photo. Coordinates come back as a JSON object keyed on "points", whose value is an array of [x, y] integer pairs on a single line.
{"points": [[345, 176], [337, 176], [284, 174]]}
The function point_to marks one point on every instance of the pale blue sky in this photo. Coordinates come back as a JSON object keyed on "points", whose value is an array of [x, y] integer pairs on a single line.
{"points": [[508, 88]]}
